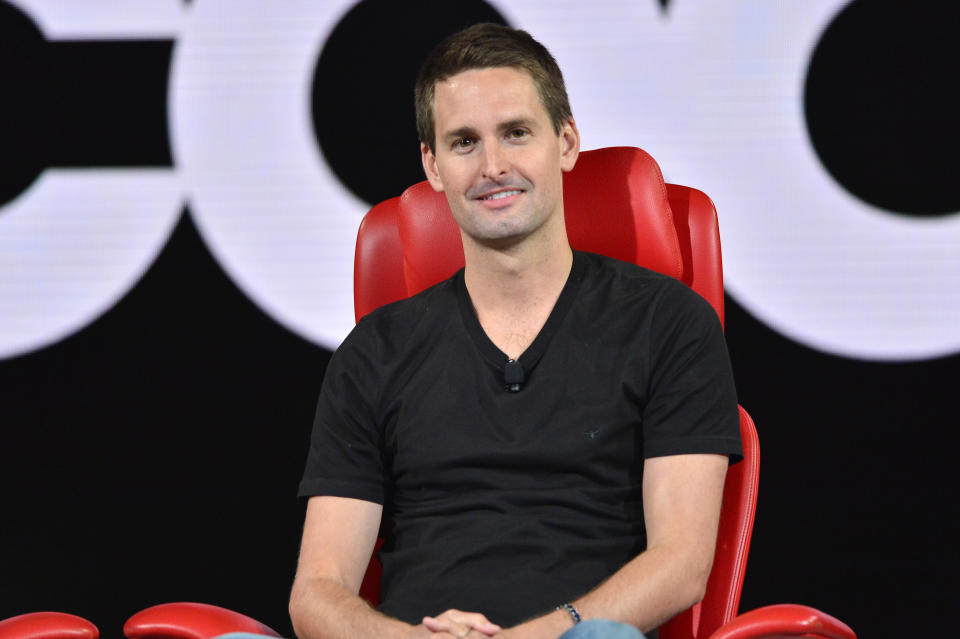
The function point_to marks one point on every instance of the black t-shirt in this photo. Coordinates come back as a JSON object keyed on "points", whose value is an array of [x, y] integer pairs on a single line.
{"points": [[509, 503]]}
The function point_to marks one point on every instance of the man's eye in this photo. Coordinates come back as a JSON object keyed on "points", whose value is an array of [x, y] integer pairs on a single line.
{"points": [[516, 134], [463, 143]]}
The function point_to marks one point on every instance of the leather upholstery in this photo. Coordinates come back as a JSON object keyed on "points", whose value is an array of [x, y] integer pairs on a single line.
{"points": [[47, 625], [614, 199], [615, 203], [695, 219], [784, 621], [191, 621], [600, 196]]}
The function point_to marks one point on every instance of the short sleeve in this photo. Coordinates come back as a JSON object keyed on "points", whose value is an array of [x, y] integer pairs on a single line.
{"points": [[345, 458], [691, 399]]}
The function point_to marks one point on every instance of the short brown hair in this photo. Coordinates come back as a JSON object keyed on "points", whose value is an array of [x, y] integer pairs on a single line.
{"points": [[483, 46]]}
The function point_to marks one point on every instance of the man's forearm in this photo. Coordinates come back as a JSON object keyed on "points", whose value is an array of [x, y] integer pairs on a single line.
{"points": [[681, 508], [656, 585], [325, 609]]}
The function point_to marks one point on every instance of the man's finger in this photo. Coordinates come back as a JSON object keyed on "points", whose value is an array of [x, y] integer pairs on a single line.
{"points": [[476, 621], [448, 626], [445, 624], [484, 626], [459, 623]]}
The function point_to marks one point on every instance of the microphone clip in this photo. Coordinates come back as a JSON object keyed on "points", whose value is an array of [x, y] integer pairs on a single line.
{"points": [[513, 375]]}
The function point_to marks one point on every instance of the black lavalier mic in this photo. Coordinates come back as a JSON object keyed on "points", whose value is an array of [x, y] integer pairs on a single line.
{"points": [[513, 375]]}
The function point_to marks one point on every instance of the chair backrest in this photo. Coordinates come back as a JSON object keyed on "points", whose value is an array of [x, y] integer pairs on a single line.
{"points": [[617, 204]]}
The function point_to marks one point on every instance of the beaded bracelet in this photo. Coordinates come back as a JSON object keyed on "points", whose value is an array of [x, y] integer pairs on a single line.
{"points": [[573, 612]]}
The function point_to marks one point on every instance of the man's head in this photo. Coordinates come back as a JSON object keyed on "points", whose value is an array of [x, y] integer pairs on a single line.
{"points": [[496, 148], [484, 46]]}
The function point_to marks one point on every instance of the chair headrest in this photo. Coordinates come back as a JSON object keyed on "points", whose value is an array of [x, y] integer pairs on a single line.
{"points": [[615, 204]]}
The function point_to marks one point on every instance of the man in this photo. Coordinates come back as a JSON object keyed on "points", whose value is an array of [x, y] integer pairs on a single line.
{"points": [[590, 490]]}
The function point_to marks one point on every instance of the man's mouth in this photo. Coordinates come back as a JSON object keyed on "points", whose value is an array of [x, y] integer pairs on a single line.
{"points": [[499, 195]]}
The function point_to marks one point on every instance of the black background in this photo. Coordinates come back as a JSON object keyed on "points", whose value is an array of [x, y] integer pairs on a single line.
{"points": [[154, 455]]}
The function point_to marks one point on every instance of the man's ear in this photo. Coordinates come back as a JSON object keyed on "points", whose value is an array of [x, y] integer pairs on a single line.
{"points": [[569, 145], [429, 161]]}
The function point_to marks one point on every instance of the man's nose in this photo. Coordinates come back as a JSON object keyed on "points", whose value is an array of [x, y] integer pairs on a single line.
{"points": [[495, 162]]}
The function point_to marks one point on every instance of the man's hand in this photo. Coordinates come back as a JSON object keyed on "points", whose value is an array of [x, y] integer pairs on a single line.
{"points": [[422, 632], [461, 624]]}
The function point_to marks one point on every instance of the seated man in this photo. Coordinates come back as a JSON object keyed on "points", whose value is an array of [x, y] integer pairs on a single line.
{"points": [[584, 485]]}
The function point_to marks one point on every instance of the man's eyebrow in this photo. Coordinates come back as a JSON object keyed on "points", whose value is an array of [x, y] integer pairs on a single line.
{"points": [[514, 124], [470, 132], [462, 132]]}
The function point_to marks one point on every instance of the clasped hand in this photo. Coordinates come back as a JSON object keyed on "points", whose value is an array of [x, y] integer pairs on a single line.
{"points": [[462, 625]]}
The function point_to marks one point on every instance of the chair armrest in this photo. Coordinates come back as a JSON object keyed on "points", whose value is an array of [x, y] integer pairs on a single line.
{"points": [[784, 620], [47, 625], [190, 621]]}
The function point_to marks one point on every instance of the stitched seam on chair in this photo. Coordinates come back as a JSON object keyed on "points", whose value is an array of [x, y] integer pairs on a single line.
{"points": [[665, 202], [748, 516]]}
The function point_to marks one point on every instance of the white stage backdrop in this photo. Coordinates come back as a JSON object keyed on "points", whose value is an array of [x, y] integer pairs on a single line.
{"points": [[715, 93]]}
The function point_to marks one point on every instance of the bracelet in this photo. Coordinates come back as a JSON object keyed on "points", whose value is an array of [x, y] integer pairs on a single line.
{"points": [[572, 611]]}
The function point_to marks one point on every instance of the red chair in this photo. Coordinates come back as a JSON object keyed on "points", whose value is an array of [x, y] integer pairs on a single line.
{"points": [[47, 625], [616, 204]]}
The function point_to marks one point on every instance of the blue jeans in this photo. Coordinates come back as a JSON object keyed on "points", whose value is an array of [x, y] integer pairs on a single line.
{"points": [[590, 629], [602, 629]]}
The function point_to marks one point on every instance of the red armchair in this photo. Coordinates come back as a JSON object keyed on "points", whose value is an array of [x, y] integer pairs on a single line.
{"points": [[191, 621], [617, 204], [47, 625]]}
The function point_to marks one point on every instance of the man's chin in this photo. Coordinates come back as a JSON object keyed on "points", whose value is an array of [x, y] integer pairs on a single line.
{"points": [[500, 240]]}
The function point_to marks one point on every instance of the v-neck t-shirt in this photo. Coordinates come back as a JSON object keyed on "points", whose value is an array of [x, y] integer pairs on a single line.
{"points": [[510, 503]]}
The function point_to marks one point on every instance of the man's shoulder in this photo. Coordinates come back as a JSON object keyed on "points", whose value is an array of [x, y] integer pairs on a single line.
{"points": [[397, 321], [627, 277], [413, 307], [624, 287]]}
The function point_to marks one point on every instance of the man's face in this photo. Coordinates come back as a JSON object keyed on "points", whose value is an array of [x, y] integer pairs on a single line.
{"points": [[497, 156]]}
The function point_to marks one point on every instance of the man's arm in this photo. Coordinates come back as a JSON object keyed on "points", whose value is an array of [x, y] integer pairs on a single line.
{"points": [[681, 507], [338, 539]]}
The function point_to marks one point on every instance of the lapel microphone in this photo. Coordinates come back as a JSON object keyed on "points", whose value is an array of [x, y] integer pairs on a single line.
{"points": [[513, 375]]}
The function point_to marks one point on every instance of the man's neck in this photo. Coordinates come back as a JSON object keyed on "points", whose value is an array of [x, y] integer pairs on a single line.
{"points": [[513, 291]]}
